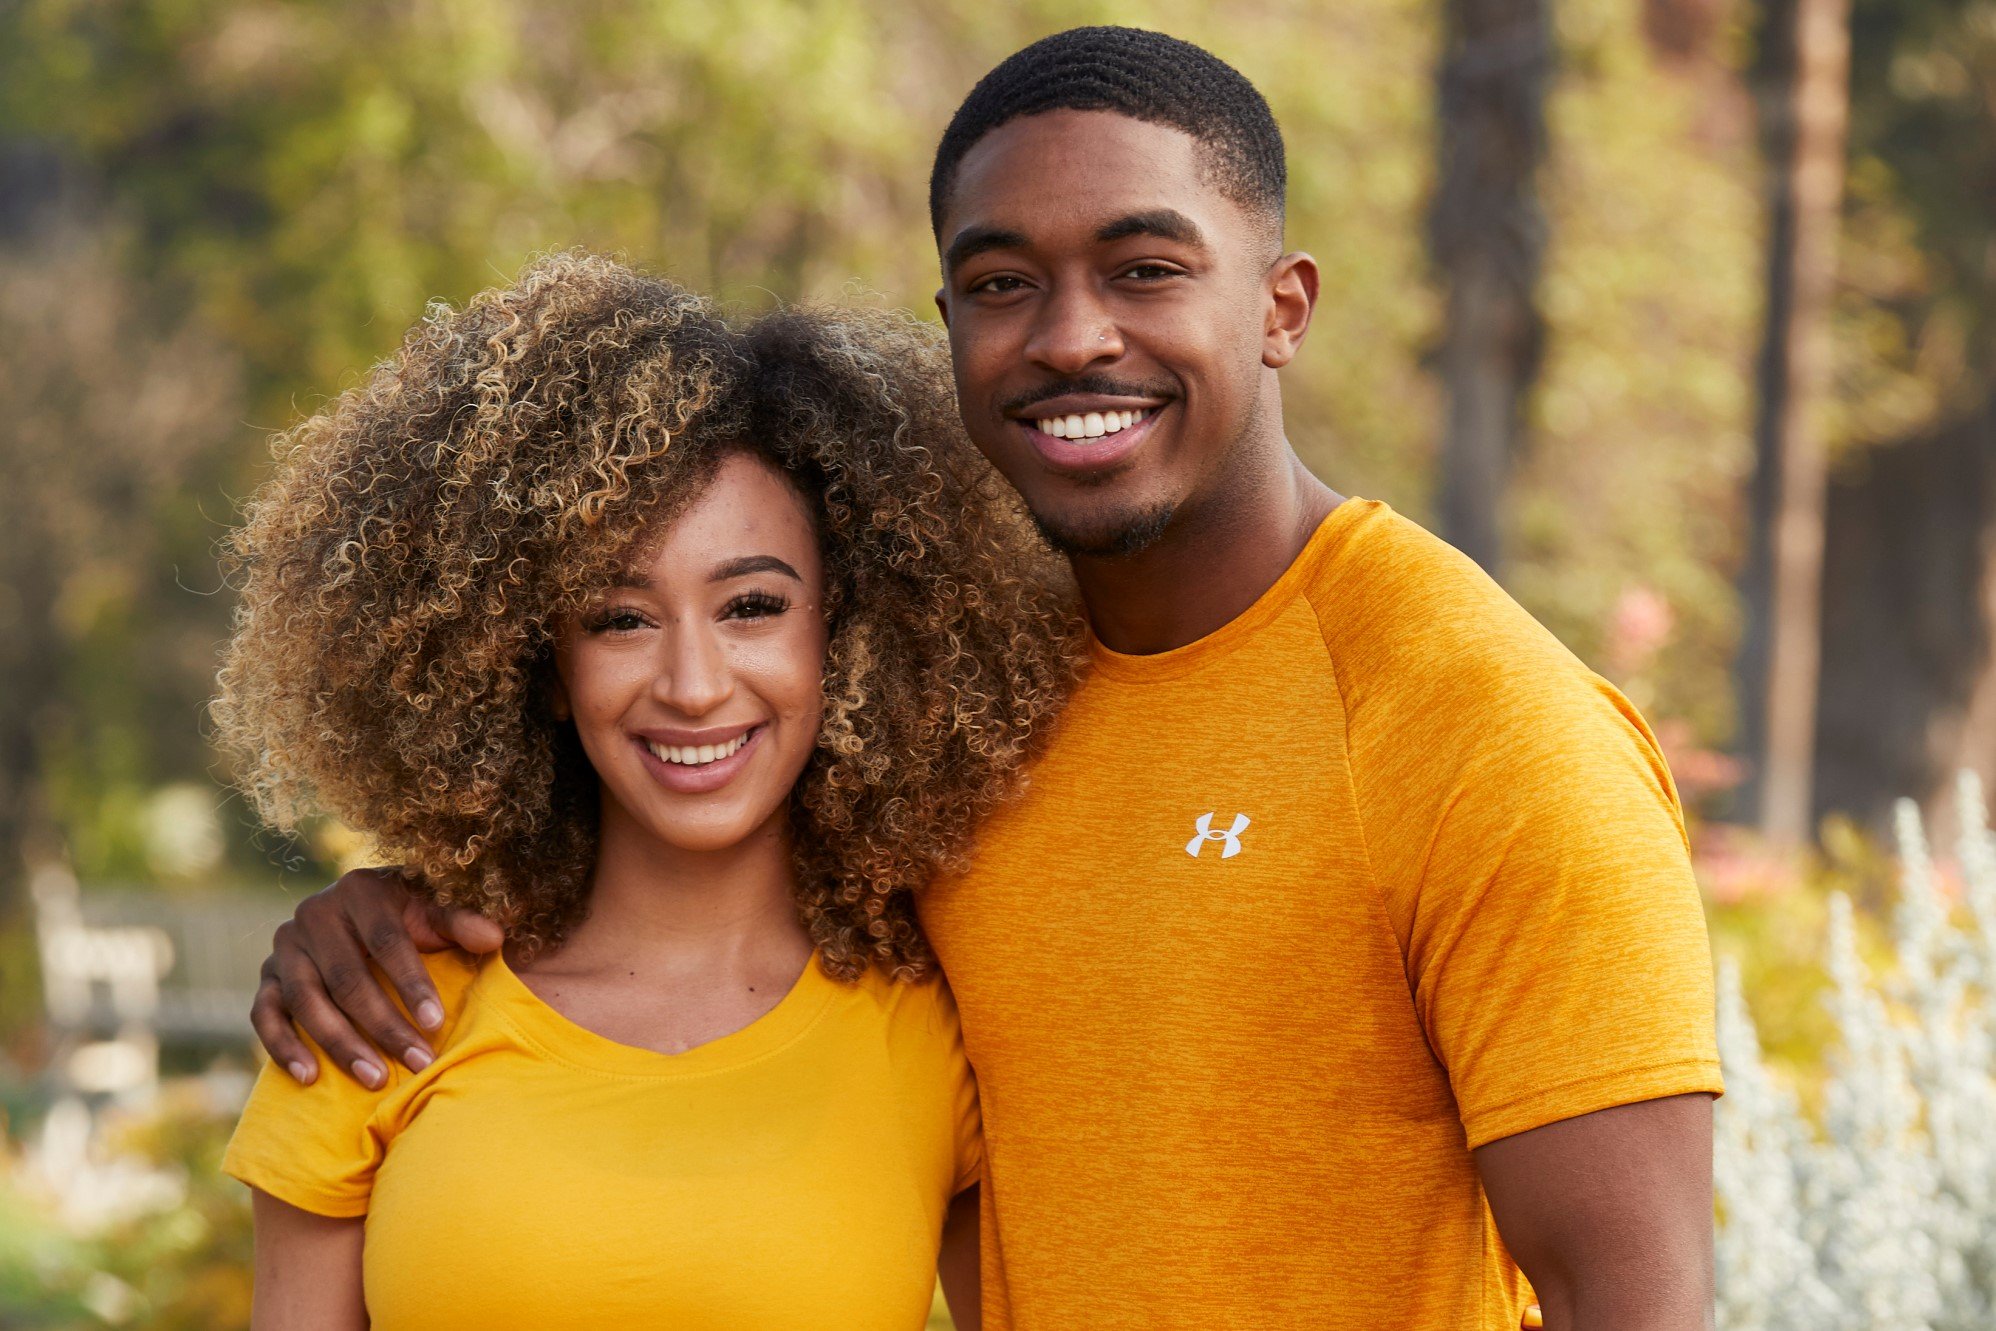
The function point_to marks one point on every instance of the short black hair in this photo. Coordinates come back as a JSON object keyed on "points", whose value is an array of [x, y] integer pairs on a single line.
{"points": [[1144, 75]]}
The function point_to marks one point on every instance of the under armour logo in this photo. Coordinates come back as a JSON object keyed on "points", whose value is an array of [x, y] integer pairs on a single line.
{"points": [[1232, 836]]}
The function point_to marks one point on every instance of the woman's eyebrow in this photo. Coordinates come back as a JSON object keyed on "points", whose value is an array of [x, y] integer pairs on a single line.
{"points": [[747, 564]]}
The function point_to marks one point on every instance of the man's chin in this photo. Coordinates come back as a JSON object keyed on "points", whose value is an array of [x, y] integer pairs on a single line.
{"points": [[1105, 536]]}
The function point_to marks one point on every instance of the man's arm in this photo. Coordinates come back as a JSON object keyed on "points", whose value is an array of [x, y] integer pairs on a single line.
{"points": [[318, 975], [307, 1270], [957, 1263], [1610, 1215]]}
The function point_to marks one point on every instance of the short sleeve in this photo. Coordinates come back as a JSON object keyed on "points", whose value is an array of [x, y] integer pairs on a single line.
{"points": [[1558, 947], [316, 1146], [1527, 841]]}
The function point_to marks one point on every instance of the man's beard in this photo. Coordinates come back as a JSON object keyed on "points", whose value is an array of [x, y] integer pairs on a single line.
{"points": [[1117, 537]]}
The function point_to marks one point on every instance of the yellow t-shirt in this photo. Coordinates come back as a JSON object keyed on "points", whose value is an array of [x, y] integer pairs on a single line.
{"points": [[1288, 922], [793, 1174]]}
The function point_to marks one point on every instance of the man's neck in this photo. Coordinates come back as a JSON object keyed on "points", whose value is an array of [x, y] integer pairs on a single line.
{"points": [[1212, 563]]}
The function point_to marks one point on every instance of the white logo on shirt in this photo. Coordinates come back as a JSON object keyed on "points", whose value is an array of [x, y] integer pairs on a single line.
{"points": [[1232, 836]]}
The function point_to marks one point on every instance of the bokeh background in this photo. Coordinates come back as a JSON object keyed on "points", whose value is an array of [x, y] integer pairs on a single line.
{"points": [[1677, 314]]}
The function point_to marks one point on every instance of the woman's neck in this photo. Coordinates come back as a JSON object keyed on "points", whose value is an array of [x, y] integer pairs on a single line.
{"points": [[660, 911]]}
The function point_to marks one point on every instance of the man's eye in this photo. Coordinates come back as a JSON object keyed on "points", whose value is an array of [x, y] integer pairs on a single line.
{"points": [[1002, 284], [1150, 272], [755, 605]]}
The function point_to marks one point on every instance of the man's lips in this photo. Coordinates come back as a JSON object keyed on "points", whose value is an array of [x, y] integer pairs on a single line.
{"points": [[1088, 453]]}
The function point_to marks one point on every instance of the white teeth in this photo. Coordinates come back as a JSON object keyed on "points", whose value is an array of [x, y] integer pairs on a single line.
{"points": [[1092, 425], [696, 755]]}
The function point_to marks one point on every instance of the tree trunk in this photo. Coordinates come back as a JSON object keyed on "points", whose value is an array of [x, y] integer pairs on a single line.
{"points": [[1806, 115], [1487, 236], [1909, 625]]}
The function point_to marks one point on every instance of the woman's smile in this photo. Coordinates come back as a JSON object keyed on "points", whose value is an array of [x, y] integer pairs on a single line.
{"points": [[702, 762]]}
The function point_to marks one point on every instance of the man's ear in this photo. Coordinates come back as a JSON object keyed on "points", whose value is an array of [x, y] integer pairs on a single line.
{"points": [[942, 305], [1292, 296]]}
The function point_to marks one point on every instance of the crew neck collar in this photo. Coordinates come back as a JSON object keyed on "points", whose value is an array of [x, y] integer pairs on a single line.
{"points": [[1152, 666]]}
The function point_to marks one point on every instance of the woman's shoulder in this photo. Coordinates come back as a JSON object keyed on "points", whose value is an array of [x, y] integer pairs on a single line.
{"points": [[911, 1013], [455, 975]]}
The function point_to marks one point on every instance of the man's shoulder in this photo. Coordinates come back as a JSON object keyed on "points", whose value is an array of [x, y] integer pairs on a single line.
{"points": [[1408, 618]]}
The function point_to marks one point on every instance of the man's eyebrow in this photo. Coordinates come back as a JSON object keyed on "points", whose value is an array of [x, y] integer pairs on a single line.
{"points": [[975, 240], [1164, 223], [747, 564]]}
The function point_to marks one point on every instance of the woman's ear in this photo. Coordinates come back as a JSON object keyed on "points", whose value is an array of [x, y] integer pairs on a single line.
{"points": [[557, 693]]}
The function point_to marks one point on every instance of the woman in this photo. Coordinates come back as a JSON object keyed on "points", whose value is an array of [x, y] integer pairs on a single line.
{"points": [[685, 654]]}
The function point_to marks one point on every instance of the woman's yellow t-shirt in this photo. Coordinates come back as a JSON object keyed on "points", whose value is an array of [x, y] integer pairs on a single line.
{"points": [[793, 1174]]}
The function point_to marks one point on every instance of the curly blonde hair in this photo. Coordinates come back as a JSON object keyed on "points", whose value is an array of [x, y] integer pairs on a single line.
{"points": [[407, 567]]}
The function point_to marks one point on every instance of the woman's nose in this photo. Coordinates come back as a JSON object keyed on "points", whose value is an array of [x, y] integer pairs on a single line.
{"points": [[693, 677]]}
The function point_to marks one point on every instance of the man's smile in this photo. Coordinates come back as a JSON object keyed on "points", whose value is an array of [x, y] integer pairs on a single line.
{"points": [[1079, 442]]}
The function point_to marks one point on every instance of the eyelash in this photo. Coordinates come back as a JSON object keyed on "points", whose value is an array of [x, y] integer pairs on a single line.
{"points": [[1159, 272], [749, 605], [755, 605], [608, 621]]}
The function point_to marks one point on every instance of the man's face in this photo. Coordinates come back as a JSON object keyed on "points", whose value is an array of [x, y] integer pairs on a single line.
{"points": [[1109, 315]]}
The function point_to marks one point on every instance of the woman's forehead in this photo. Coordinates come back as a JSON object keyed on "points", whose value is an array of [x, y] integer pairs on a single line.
{"points": [[745, 507]]}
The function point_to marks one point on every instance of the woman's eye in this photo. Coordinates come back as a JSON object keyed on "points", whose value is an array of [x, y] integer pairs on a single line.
{"points": [[755, 605], [617, 621]]}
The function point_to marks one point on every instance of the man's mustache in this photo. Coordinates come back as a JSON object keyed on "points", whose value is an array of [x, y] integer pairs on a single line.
{"points": [[1098, 384]]}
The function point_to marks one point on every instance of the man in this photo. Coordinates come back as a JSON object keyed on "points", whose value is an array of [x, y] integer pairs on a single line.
{"points": [[1343, 956]]}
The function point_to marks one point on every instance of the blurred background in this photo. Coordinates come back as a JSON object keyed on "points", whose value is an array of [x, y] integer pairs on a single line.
{"points": [[1675, 314]]}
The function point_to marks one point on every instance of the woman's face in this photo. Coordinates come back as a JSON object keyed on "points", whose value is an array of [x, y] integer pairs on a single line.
{"points": [[694, 684]]}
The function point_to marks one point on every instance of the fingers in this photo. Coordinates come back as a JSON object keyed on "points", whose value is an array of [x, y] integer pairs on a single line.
{"points": [[279, 1038], [467, 929], [302, 996], [337, 929]]}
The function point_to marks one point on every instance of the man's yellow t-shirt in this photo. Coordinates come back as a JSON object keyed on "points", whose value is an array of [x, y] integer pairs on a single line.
{"points": [[1288, 922], [791, 1176]]}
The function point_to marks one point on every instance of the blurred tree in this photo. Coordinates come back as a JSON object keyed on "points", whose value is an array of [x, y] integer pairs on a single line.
{"points": [[112, 411], [1805, 109], [1628, 499], [1487, 234], [1909, 674]]}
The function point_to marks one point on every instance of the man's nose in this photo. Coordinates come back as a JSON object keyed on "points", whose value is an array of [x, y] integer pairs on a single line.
{"points": [[1072, 332], [694, 676]]}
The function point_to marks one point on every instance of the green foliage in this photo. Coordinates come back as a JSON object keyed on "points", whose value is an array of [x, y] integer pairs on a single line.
{"points": [[1642, 438], [186, 1268]]}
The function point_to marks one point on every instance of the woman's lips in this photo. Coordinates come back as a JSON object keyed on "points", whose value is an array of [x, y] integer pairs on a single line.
{"points": [[688, 779]]}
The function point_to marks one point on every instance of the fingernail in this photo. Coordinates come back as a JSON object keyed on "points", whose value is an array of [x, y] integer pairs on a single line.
{"points": [[429, 1014], [417, 1059], [301, 1073], [369, 1075], [1533, 1317]]}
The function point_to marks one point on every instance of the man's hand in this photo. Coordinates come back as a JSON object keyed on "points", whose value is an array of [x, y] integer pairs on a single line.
{"points": [[317, 975], [1610, 1215]]}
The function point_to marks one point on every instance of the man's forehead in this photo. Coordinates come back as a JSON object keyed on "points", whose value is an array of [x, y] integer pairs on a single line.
{"points": [[1036, 169]]}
